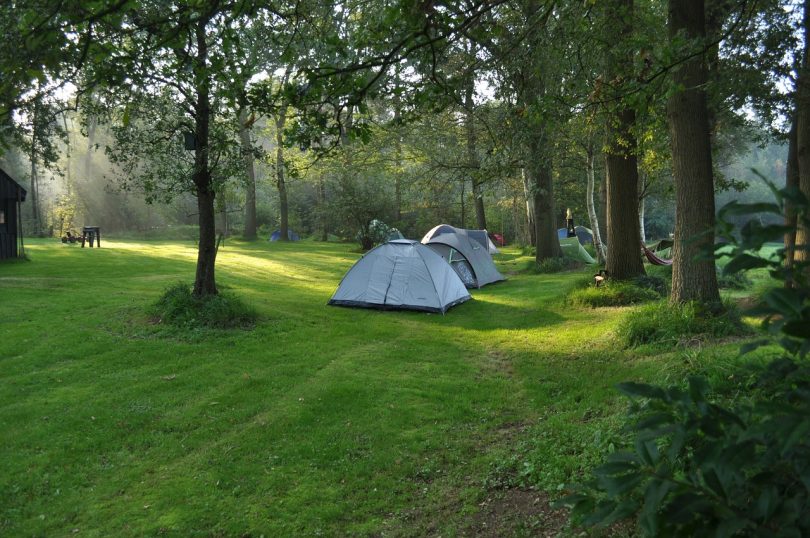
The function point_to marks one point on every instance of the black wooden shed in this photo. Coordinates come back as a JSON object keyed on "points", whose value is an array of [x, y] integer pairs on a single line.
{"points": [[11, 196]]}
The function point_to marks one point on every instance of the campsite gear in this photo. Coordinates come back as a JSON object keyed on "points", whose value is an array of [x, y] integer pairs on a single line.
{"points": [[600, 277], [90, 233], [585, 235], [401, 274], [498, 239], [572, 248], [291, 235], [653, 259], [569, 223], [467, 257], [479, 235], [12, 195]]}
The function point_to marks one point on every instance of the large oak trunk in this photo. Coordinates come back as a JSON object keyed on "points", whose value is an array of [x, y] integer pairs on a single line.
{"points": [[538, 169], [693, 274], [623, 236], [545, 229]]}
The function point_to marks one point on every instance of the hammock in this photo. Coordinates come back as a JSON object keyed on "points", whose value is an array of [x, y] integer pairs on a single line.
{"points": [[653, 259]]}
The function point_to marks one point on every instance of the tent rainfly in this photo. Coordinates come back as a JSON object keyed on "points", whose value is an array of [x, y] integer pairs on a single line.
{"points": [[404, 275], [572, 248], [478, 235], [467, 257]]}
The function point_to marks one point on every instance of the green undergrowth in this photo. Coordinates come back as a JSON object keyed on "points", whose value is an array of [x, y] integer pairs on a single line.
{"points": [[556, 265], [180, 308], [664, 324]]}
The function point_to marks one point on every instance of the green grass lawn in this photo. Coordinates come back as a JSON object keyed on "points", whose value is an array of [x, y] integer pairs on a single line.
{"points": [[320, 421]]}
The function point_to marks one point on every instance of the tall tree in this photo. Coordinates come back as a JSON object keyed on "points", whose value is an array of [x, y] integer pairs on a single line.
{"points": [[178, 54], [693, 274], [623, 235]]}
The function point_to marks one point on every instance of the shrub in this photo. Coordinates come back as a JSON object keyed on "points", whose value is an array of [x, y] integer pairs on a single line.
{"points": [[179, 307], [612, 293], [694, 466], [734, 281], [655, 283], [667, 324]]}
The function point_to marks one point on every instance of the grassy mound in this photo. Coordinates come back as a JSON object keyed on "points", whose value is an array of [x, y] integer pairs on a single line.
{"points": [[618, 293], [179, 307], [667, 324]]}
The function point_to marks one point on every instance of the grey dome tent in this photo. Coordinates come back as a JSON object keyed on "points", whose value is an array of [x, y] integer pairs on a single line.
{"points": [[468, 258], [478, 235], [401, 274]]}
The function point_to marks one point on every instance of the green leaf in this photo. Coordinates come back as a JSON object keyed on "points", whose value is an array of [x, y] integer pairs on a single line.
{"points": [[735, 208], [784, 301], [743, 262]]}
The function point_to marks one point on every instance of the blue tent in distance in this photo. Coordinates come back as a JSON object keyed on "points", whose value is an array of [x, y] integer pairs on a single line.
{"points": [[291, 235]]}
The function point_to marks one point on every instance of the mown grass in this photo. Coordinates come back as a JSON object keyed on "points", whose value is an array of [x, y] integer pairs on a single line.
{"points": [[318, 421]]}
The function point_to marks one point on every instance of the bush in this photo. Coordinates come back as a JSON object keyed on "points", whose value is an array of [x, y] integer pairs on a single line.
{"points": [[667, 324], [179, 307], [658, 284], [698, 466], [612, 293]]}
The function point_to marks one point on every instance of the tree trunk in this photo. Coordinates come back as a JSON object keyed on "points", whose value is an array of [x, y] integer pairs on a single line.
{"points": [[204, 282], [527, 192], [472, 158], [463, 206], [594, 222], [250, 176], [397, 151], [283, 205], [542, 191], [802, 247], [34, 197], [623, 235], [641, 207], [322, 209], [693, 273], [791, 182], [601, 216], [92, 125]]}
